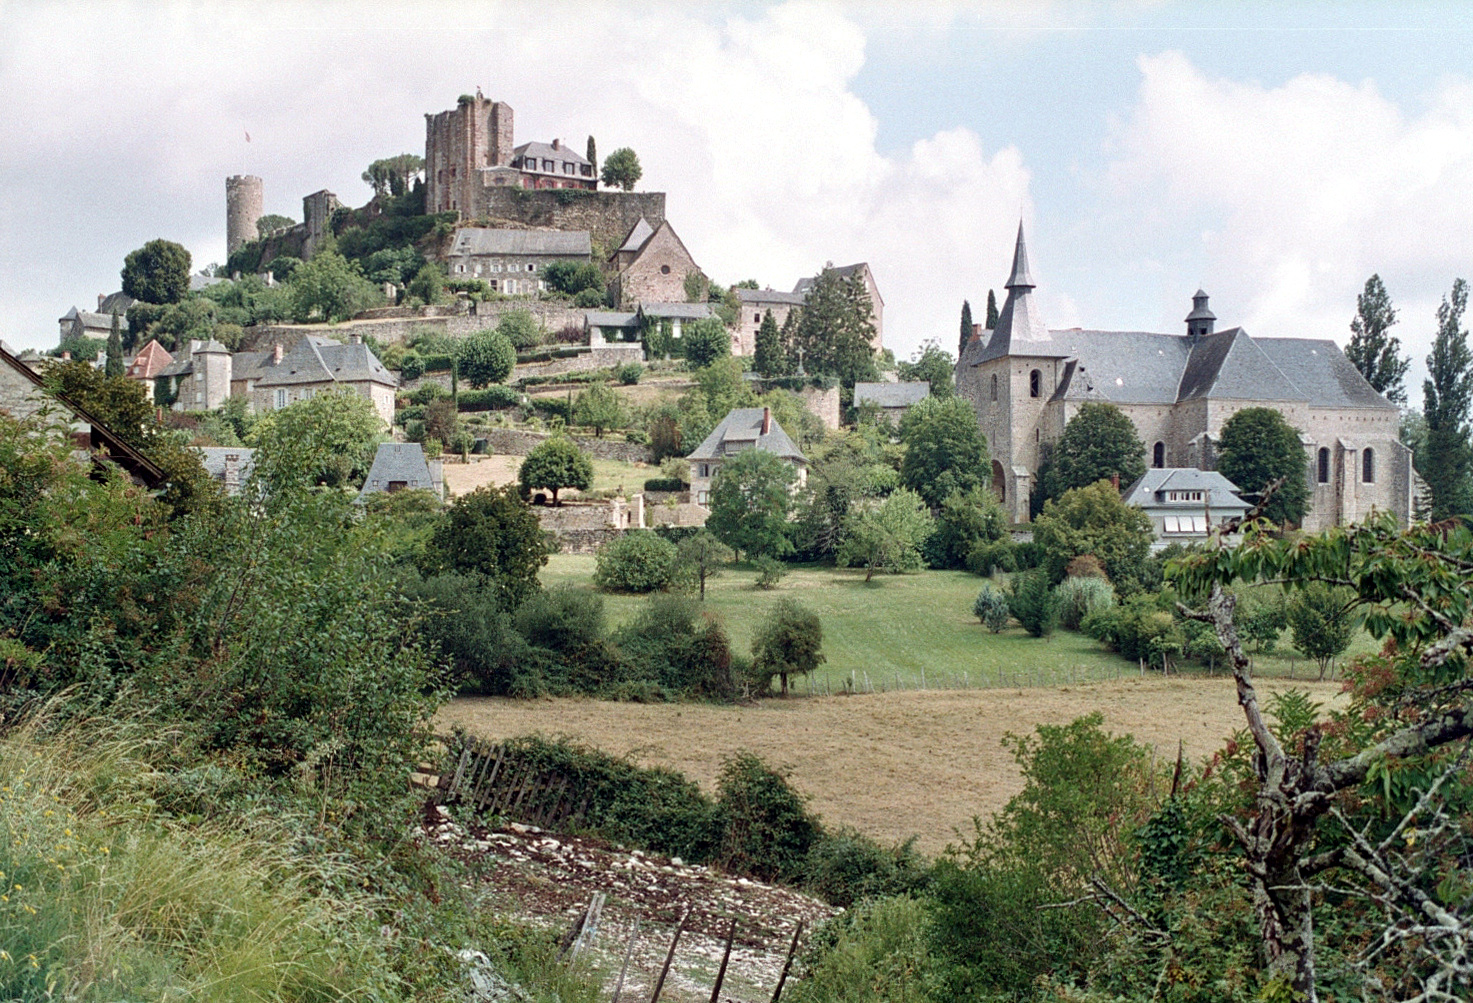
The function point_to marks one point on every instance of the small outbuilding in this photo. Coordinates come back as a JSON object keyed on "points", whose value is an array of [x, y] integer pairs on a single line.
{"points": [[401, 466], [1185, 504], [893, 399]]}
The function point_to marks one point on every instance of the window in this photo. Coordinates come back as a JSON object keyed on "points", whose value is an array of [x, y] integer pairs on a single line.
{"points": [[198, 397], [460, 268], [994, 386], [1158, 455], [756, 318], [1184, 524], [281, 398], [1324, 466], [199, 375], [1368, 467], [567, 167], [549, 166], [664, 269], [1035, 384], [531, 268]]}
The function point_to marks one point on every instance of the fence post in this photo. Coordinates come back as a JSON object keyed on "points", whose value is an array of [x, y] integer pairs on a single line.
{"points": [[628, 953], [787, 965], [670, 955], [721, 972]]}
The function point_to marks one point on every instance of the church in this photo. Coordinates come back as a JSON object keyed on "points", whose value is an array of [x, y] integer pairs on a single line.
{"points": [[1026, 381]]}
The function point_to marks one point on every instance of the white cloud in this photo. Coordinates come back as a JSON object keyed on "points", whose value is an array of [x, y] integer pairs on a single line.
{"points": [[1310, 186], [749, 122]]}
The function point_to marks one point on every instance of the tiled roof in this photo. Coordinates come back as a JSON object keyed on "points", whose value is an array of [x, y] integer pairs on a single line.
{"points": [[563, 243], [115, 301], [96, 321], [1229, 365], [1322, 372], [891, 394], [744, 425], [150, 361], [213, 459]]}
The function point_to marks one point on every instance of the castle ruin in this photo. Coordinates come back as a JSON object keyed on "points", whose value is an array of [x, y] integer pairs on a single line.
{"points": [[244, 197], [476, 134]]}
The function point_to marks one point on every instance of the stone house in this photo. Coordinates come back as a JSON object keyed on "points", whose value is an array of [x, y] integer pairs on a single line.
{"points": [[1026, 381], [553, 165], [867, 277], [86, 324], [651, 266], [152, 359], [401, 466], [893, 399], [754, 304], [1185, 503], [23, 394], [742, 428], [200, 378], [230, 465], [315, 364], [512, 261]]}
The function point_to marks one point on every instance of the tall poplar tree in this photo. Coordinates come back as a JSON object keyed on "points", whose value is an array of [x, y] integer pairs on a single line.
{"points": [[592, 156], [114, 365], [961, 346], [991, 310], [1372, 349], [768, 357], [1447, 459]]}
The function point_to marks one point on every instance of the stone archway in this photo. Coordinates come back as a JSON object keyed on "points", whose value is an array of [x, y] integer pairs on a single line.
{"points": [[999, 482]]}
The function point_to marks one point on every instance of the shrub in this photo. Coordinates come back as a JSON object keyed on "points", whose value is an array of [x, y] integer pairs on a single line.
{"points": [[789, 642], [770, 572], [664, 484], [629, 373], [427, 394], [485, 400], [562, 619], [844, 867], [676, 646], [1079, 597], [991, 608], [469, 628], [1138, 628], [986, 557], [1322, 622], [705, 341], [1085, 566], [767, 829], [486, 357], [636, 561], [520, 328], [590, 299], [1032, 602], [877, 952]]}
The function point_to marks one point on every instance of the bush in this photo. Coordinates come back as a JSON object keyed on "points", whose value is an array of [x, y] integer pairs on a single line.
{"points": [[1079, 597], [986, 557], [788, 642], [705, 341], [845, 867], [664, 484], [636, 561], [590, 299], [428, 394], [486, 357], [520, 328], [1138, 628], [563, 619], [674, 645], [1032, 602], [770, 572], [991, 608], [485, 400], [629, 373], [767, 829]]}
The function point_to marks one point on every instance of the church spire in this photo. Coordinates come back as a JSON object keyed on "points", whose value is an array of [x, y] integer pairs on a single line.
{"points": [[1020, 279]]}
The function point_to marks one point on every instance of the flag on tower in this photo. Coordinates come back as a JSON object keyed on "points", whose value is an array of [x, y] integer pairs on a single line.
{"points": [[248, 137]]}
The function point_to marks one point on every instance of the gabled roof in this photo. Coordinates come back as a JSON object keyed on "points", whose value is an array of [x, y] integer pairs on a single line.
{"points": [[1322, 372], [214, 458], [95, 321], [1229, 365], [150, 361], [1217, 490], [685, 311], [546, 151], [639, 235], [759, 297], [666, 228], [564, 243], [395, 462], [743, 426], [119, 301], [316, 359], [892, 394]]}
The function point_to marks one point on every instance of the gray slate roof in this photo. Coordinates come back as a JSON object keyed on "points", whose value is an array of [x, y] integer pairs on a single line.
{"points": [[561, 243], [742, 427], [638, 236], [93, 320], [398, 461], [1020, 328], [320, 360], [892, 394], [213, 458], [544, 151], [804, 286], [1219, 491], [685, 311], [760, 297], [608, 318]]}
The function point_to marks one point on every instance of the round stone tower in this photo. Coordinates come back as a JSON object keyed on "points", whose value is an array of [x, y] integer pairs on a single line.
{"points": [[243, 201]]}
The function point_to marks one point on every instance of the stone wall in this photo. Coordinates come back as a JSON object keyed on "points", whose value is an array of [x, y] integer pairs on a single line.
{"points": [[823, 403], [515, 442], [607, 216], [585, 541], [393, 325], [599, 357]]}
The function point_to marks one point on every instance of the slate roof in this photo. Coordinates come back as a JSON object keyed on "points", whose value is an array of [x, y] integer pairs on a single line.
{"points": [[639, 235], [561, 243], [1321, 370], [606, 318], [757, 297], [743, 428], [545, 151], [321, 360], [685, 311], [250, 365], [198, 282], [892, 394], [398, 461], [804, 286], [1229, 365], [213, 458], [1223, 492], [1020, 328], [94, 321]]}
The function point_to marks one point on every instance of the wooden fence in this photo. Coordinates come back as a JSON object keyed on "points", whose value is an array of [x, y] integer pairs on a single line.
{"points": [[497, 780]]}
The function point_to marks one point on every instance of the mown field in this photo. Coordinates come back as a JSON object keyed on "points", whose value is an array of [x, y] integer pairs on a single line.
{"points": [[909, 631]]}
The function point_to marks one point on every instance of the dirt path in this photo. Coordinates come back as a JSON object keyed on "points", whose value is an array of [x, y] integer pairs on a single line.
{"points": [[893, 764]]}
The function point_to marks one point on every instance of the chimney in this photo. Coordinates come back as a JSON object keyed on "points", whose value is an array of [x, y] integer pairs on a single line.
{"points": [[976, 330], [100, 298], [355, 338], [767, 421], [1115, 480], [66, 356], [276, 353], [557, 144]]}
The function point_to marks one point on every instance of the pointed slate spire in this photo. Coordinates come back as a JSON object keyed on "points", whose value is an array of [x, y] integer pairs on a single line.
{"points": [[1020, 279]]}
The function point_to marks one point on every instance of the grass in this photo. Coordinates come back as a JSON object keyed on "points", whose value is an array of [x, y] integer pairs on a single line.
{"points": [[908, 631]]}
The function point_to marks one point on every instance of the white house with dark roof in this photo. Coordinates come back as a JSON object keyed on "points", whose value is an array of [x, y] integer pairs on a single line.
{"points": [[512, 261], [1026, 381], [401, 466], [1185, 504], [742, 428], [893, 399], [316, 364]]}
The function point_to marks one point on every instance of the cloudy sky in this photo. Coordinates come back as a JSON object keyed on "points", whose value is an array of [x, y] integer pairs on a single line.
{"points": [[1275, 155]]}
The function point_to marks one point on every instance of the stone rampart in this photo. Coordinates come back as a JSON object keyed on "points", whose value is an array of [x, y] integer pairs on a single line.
{"points": [[598, 357], [515, 442], [607, 216]]}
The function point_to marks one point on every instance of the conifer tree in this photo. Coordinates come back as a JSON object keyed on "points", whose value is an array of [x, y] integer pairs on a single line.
{"points": [[1372, 349], [1447, 459], [768, 357], [991, 310], [835, 329], [789, 338], [961, 346], [114, 349], [592, 156]]}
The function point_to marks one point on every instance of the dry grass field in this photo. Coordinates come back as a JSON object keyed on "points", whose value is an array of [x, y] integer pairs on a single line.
{"points": [[889, 764], [498, 469]]}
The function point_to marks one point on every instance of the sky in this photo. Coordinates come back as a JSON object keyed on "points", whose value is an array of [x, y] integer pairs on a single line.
{"points": [[1274, 154]]}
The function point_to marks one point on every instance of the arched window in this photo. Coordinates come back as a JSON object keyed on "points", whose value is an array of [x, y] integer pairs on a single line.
{"points": [[1035, 384], [1158, 455], [994, 386], [1368, 466], [1324, 466]]}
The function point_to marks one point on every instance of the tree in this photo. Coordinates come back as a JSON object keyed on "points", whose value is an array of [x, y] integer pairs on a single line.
{"points": [[835, 328], [428, 284], [1032, 603], [1372, 349], [1094, 520], [158, 272], [590, 154], [331, 288], [556, 464], [789, 642], [1321, 621], [1447, 394], [621, 169], [961, 345], [639, 560], [963, 522], [944, 449], [705, 341], [272, 221], [485, 357], [933, 366], [702, 556], [1258, 446], [393, 175], [788, 337], [114, 348], [441, 422], [573, 277], [1371, 805], [1098, 443], [492, 533], [330, 439], [600, 407], [887, 536], [696, 287], [991, 324], [520, 328], [768, 357], [750, 501], [991, 608]]}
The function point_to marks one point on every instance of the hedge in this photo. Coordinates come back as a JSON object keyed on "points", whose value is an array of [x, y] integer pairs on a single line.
{"points": [[664, 484], [484, 400]]}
